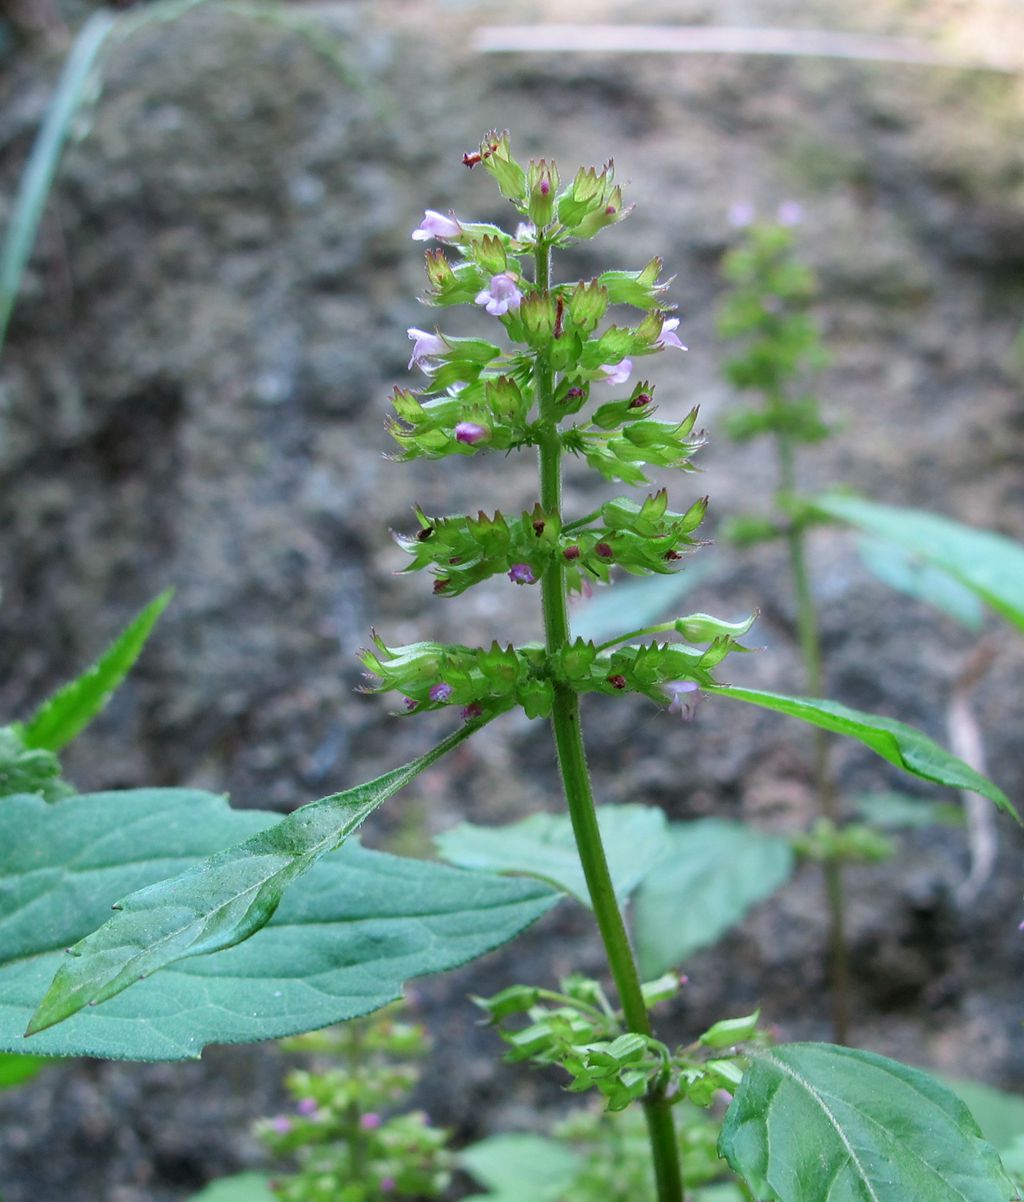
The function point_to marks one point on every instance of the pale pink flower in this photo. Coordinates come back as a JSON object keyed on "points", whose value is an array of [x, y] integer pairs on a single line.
{"points": [[679, 693], [369, 1121], [281, 1125], [790, 212], [617, 373], [436, 225], [471, 433], [668, 336], [307, 1106], [500, 295], [425, 346], [741, 214], [387, 1185]]}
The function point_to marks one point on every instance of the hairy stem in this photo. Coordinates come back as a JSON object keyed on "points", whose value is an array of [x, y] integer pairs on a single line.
{"points": [[810, 646], [565, 720]]}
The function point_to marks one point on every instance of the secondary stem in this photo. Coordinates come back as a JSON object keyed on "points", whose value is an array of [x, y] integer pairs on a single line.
{"points": [[810, 646], [565, 721]]}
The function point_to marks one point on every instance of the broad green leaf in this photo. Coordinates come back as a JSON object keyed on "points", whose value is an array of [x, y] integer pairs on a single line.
{"points": [[900, 811], [816, 1123], [989, 564], [243, 1187], [345, 938], [543, 846], [726, 1192], [710, 874], [23, 770], [900, 745], [73, 707], [1000, 1115], [521, 1168], [16, 1070], [909, 574], [633, 603], [218, 902]]}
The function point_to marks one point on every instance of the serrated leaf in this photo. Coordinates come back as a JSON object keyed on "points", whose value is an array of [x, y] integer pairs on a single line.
{"points": [[631, 604], [711, 873], [521, 1168], [218, 902], [345, 938], [989, 564], [73, 707], [242, 1187], [543, 846], [901, 745], [902, 570], [23, 770], [816, 1123]]}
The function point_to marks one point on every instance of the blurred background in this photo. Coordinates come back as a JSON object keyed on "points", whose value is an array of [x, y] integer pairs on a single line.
{"points": [[192, 391]]}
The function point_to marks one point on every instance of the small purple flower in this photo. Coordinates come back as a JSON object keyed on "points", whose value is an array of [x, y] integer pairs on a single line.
{"points": [[307, 1106], [281, 1125], [668, 336], [741, 214], [617, 373], [500, 295], [473, 710], [790, 212], [369, 1121], [387, 1185], [425, 347], [521, 573], [471, 433], [440, 691], [410, 703], [678, 693], [436, 225]]}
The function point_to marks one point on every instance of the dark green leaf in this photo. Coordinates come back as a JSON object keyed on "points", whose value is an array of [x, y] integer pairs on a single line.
{"points": [[900, 745], [633, 603], [987, 563], [344, 940], [815, 1123], [16, 1070], [709, 876], [543, 846], [521, 1168], [1000, 1115], [902, 570], [73, 707], [218, 902]]}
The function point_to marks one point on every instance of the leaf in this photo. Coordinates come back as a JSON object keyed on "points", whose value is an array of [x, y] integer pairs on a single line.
{"points": [[521, 1168], [811, 1122], [37, 177], [543, 846], [901, 745], [344, 940], [242, 1187], [902, 570], [218, 902], [26, 771], [633, 603], [1000, 1115], [899, 811], [73, 707], [16, 1070], [712, 872], [988, 564]]}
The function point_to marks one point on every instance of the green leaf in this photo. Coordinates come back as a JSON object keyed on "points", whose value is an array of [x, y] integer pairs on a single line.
{"points": [[543, 846], [25, 771], [73, 707], [710, 874], [812, 1122], [909, 574], [521, 1168], [218, 902], [16, 1070], [1000, 1115], [893, 741], [243, 1187], [342, 943], [899, 811], [988, 564], [633, 603]]}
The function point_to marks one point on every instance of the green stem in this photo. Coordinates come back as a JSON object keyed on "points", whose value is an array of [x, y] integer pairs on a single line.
{"points": [[810, 646], [565, 721]]}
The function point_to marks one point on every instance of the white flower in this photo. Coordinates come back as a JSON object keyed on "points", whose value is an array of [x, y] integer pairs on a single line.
{"points": [[617, 373], [680, 694], [668, 336], [425, 345]]}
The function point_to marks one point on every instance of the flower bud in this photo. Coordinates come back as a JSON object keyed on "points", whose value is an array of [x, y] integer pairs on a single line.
{"points": [[542, 183], [588, 305], [471, 433], [537, 313], [496, 156], [490, 254], [439, 271]]}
